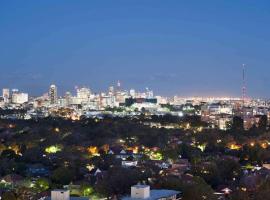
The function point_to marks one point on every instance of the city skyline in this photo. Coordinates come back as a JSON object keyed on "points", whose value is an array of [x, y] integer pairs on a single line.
{"points": [[178, 48], [134, 100], [115, 87]]}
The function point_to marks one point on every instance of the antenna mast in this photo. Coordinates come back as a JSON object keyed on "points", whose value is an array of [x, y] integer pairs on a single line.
{"points": [[244, 88]]}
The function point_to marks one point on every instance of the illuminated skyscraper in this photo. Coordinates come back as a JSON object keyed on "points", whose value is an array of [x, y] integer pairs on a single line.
{"points": [[19, 98], [132, 93], [53, 94], [111, 90], [83, 94], [6, 95], [68, 98]]}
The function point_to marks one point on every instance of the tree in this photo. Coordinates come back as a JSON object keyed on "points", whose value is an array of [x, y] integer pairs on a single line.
{"points": [[118, 181], [171, 183], [228, 169], [9, 196], [9, 153], [209, 172], [62, 176], [42, 184], [264, 190], [33, 155], [86, 190], [198, 190], [239, 195], [191, 153], [24, 193], [170, 153], [263, 123], [238, 124]]}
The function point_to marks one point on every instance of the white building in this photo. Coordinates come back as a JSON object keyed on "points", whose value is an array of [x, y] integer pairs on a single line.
{"points": [[143, 192], [162, 100], [108, 101], [6, 95], [2, 103], [111, 90], [63, 195], [83, 94], [223, 122], [149, 93], [19, 98], [60, 195], [127, 163], [147, 106], [140, 191], [132, 93]]}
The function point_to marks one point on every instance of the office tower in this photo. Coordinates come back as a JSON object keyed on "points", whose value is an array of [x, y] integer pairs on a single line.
{"points": [[53, 94], [68, 98], [6, 95], [19, 98], [149, 93], [132, 93], [111, 90], [83, 94], [118, 86], [14, 91]]}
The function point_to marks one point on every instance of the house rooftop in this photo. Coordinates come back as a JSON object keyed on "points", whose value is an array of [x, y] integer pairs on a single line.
{"points": [[157, 194]]}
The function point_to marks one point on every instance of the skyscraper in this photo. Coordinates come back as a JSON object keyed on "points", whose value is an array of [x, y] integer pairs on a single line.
{"points": [[19, 98], [68, 98], [6, 95], [53, 94], [83, 94], [111, 90]]}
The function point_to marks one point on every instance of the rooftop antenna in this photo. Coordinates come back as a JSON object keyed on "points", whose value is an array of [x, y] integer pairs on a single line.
{"points": [[244, 88]]}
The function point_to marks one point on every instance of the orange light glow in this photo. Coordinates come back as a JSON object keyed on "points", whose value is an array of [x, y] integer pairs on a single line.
{"points": [[264, 145], [93, 150], [235, 147]]}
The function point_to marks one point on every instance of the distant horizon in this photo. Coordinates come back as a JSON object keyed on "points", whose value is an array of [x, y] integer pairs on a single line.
{"points": [[62, 92]]}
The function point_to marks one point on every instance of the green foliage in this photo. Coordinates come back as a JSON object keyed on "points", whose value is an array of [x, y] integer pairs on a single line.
{"points": [[118, 181], [87, 190], [9, 153], [42, 185], [62, 176], [196, 189], [9, 196], [171, 153], [228, 169], [209, 172]]}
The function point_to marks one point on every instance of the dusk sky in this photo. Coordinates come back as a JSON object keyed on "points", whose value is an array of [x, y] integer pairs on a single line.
{"points": [[174, 47]]}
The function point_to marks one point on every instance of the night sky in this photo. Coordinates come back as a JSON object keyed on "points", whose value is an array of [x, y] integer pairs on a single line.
{"points": [[171, 46]]}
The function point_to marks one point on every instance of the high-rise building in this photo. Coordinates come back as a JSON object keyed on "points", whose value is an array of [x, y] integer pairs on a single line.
{"points": [[14, 91], [68, 98], [83, 94], [111, 90], [6, 95], [132, 93], [149, 93], [19, 98], [118, 86], [53, 94]]}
